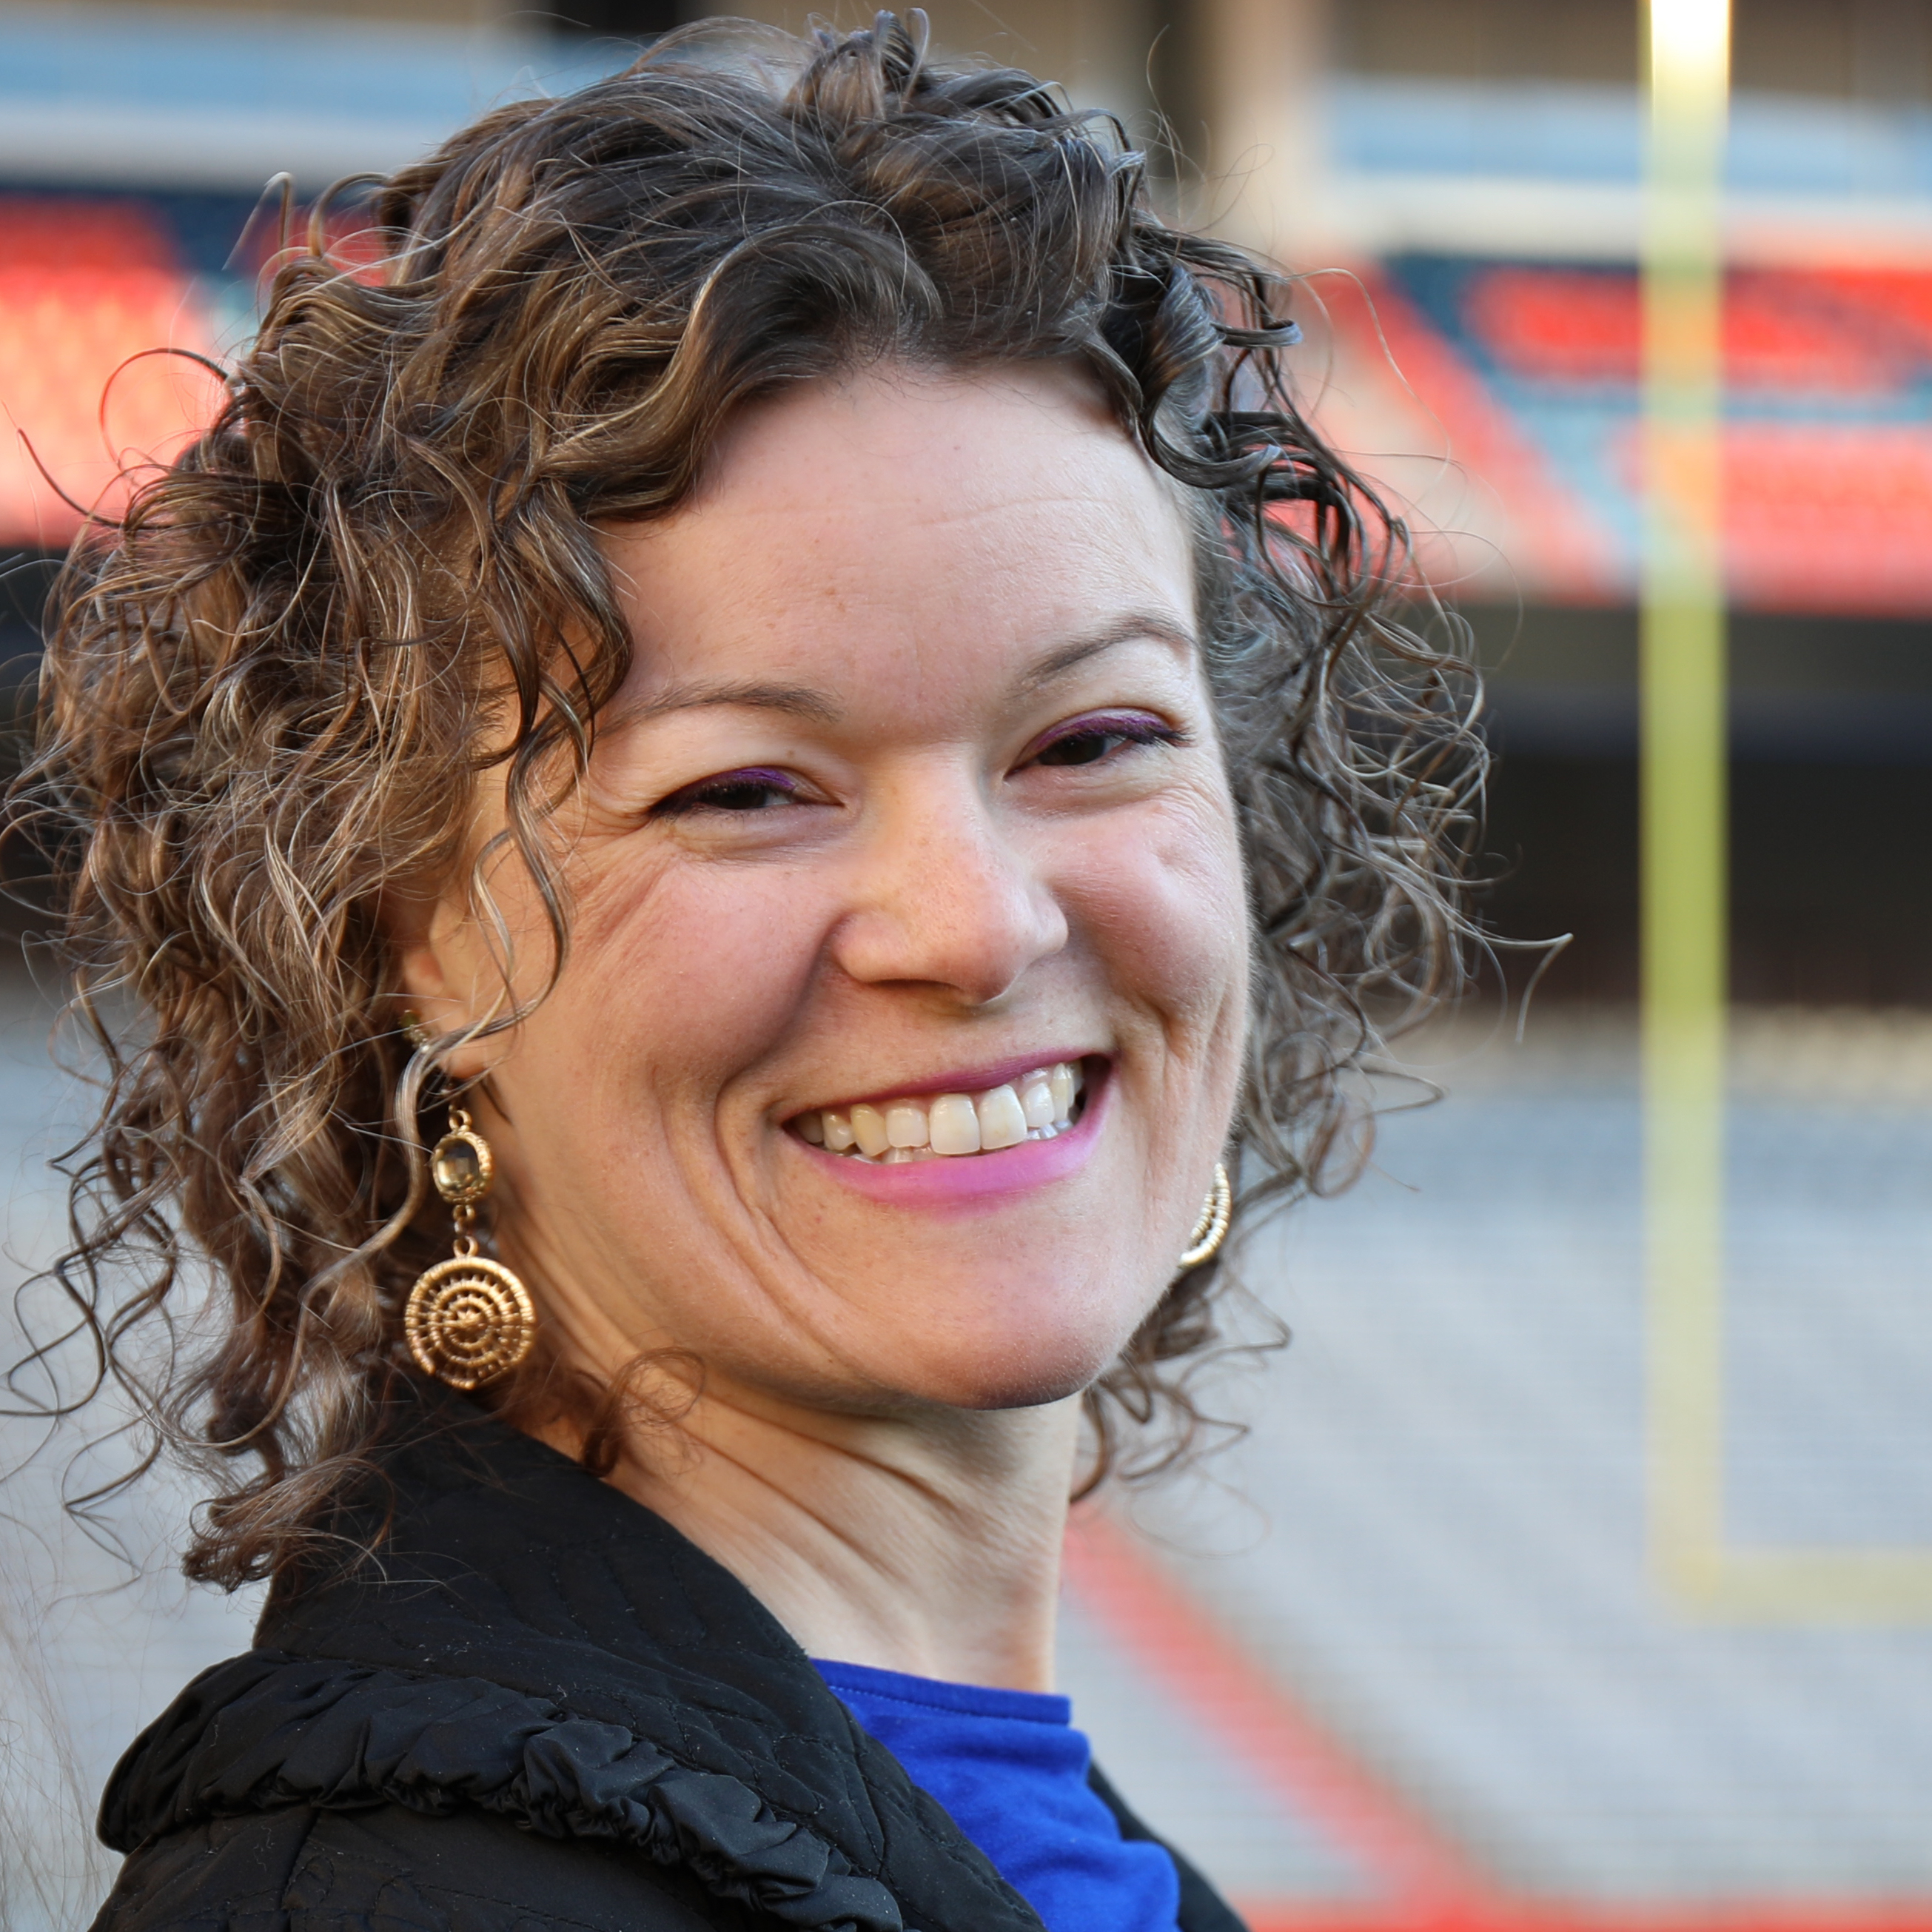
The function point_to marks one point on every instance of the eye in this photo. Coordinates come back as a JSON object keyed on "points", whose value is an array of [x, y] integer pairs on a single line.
{"points": [[1093, 740], [754, 791]]}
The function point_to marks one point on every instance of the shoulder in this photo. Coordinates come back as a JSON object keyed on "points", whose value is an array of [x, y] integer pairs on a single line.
{"points": [[278, 1790], [534, 1686], [389, 1870]]}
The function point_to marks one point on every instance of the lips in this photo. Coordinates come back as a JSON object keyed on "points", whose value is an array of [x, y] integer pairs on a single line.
{"points": [[921, 1179]]}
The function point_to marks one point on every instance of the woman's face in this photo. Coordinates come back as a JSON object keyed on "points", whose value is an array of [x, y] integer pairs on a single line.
{"points": [[913, 791]]}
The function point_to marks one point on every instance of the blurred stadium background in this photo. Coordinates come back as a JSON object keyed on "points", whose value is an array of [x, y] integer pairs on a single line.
{"points": [[1397, 1659]]}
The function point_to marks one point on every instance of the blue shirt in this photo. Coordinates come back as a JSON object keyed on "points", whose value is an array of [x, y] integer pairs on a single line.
{"points": [[1011, 1768]]}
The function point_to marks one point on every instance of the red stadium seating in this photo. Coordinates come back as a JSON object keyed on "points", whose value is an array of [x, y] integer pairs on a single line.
{"points": [[1783, 333], [85, 286], [1830, 464]]}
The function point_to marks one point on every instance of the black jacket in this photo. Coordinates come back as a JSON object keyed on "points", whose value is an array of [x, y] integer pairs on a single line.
{"points": [[538, 1708]]}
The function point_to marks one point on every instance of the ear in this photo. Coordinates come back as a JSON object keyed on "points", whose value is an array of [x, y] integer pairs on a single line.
{"points": [[444, 975]]}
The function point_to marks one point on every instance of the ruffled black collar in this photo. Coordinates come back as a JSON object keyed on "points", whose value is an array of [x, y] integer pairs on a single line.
{"points": [[530, 1641]]}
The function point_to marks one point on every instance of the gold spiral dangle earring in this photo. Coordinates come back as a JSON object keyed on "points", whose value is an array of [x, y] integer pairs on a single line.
{"points": [[469, 1320], [1211, 1230]]}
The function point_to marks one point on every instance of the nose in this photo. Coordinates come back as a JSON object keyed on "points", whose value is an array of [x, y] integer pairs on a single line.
{"points": [[944, 895]]}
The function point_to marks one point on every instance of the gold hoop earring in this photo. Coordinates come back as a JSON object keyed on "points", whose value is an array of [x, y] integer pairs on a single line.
{"points": [[1211, 1230], [468, 1320]]}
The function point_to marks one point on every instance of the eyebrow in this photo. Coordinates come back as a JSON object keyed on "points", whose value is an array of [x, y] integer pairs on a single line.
{"points": [[796, 701], [802, 700], [1138, 624]]}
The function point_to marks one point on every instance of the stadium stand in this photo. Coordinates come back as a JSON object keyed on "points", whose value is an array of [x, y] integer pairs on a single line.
{"points": [[1396, 1663], [1828, 464], [1522, 376], [89, 289]]}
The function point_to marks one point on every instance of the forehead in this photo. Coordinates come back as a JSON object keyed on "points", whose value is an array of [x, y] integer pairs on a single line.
{"points": [[905, 517]]}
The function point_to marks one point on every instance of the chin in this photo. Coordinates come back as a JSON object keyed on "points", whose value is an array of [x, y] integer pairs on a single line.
{"points": [[1047, 1369]]}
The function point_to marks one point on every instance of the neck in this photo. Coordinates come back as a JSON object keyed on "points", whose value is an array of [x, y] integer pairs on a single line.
{"points": [[929, 1543]]}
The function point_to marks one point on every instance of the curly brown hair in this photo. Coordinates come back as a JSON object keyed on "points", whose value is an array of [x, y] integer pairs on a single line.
{"points": [[265, 684]]}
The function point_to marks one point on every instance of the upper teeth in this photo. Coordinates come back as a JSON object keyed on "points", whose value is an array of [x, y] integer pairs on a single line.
{"points": [[1035, 1107]]}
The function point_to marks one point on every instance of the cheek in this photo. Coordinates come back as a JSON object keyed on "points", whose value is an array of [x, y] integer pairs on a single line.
{"points": [[1164, 897], [687, 974]]}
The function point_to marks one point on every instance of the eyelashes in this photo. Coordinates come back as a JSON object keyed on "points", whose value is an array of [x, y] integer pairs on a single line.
{"points": [[756, 788], [1092, 740]]}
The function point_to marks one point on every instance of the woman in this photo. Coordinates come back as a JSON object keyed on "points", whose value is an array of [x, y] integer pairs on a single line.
{"points": [[783, 688]]}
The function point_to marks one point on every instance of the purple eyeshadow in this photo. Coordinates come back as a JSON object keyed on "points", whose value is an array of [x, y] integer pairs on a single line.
{"points": [[1136, 726], [751, 775]]}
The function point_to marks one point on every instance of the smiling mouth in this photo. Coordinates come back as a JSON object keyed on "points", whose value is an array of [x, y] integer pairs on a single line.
{"points": [[950, 1127]]}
